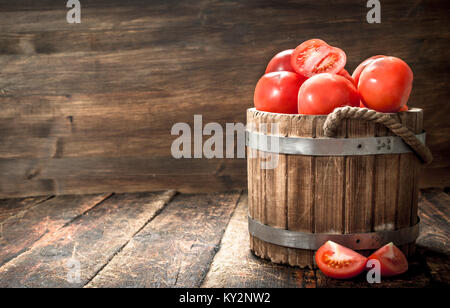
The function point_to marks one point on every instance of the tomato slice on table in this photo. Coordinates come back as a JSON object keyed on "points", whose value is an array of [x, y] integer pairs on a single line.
{"points": [[337, 261], [316, 56], [281, 62], [392, 260]]}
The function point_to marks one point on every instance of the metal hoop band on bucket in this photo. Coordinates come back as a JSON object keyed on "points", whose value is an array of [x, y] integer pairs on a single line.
{"points": [[312, 241], [329, 146], [404, 141]]}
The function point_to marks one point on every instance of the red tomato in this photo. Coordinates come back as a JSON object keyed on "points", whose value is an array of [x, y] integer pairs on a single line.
{"points": [[337, 261], [315, 57], [322, 93], [281, 62], [385, 84], [277, 92], [392, 260], [357, 72], [346, 75]]}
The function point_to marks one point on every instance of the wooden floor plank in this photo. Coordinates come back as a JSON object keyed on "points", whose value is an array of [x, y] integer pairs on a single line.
{"points": [[434, 215], [119, 242], [236, 267], [176, 248], [440, 201], [89, 242], [17, 206], [19, 232], [439, 267], [433, 242]]}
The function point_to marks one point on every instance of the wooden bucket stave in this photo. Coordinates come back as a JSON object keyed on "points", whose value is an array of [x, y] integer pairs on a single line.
{"points": [[330, 194]]}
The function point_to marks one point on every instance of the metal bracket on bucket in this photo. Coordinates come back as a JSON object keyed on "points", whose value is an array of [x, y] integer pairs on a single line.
{"points": [[328, 146], [312, 241]]}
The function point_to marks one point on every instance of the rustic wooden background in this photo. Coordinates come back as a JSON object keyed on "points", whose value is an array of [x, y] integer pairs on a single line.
{"points": [[87, 108]]}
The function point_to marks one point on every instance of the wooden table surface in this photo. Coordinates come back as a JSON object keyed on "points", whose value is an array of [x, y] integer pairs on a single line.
{"points": [[165, 239]]}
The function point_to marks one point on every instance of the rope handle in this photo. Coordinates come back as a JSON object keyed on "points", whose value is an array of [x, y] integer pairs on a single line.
{"points": [[334, 118]]}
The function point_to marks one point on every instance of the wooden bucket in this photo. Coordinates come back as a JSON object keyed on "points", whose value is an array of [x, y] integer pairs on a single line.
{"points": [[360, 200]]}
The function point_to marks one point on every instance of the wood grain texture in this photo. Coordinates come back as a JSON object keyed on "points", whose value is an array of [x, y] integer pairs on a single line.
{"points": [[386, 183], [301, 190], [123, 184], [35, 169], [32, 226], [97, 174], [64, 88], [439, 267], [17, 207], [359, 184], [275, 194], [256, 188], [134, 240], [176, 248], [268, 169], [408, 190], [433, 242], [234, 266], [331, 194], [435, 221], [92, 239]]}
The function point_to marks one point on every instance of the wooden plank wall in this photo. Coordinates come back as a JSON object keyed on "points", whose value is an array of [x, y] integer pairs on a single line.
{"points": [[88, 108]]}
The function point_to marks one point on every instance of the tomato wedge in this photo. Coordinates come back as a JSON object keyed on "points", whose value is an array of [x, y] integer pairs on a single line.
{"points": [[392, 260], [316, 56], [337, 261]]}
